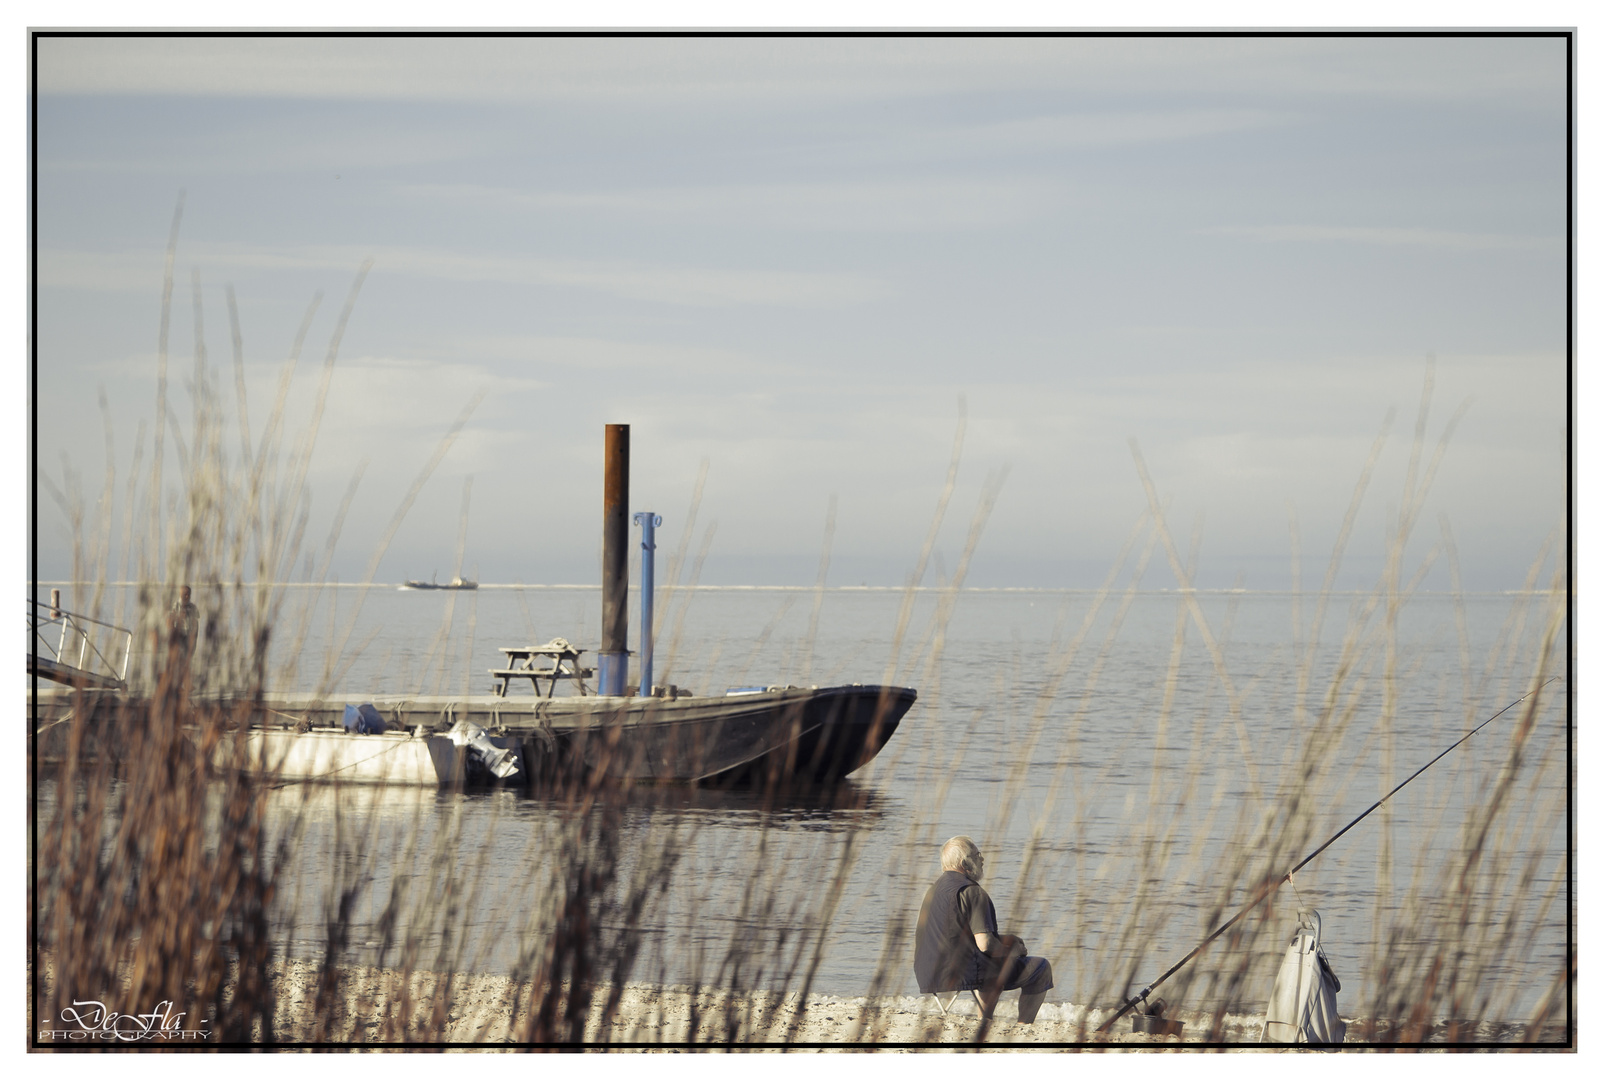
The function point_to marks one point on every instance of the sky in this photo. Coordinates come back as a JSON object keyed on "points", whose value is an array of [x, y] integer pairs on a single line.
{"points": [[801, 261]]}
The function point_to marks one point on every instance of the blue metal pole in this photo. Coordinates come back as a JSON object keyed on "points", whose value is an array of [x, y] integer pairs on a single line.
{"points": [[648, 523]]}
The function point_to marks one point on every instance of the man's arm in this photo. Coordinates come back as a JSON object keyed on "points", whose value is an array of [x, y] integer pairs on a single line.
{"points": [[1000, 946], [982, 919]]}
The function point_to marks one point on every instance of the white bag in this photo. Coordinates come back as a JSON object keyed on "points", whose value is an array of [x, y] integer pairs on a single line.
{"points": [[1303, 1005]]}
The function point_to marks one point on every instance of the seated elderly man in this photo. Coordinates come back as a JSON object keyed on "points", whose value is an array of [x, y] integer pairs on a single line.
{"points": [[957, 945]]}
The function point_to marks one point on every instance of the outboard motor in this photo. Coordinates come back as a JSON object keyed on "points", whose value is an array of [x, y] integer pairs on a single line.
{"points": [[363, 719], [501, 763]]}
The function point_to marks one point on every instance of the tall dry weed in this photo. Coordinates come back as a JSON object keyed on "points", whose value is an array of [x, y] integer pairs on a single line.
{"points": [[160, 870]]}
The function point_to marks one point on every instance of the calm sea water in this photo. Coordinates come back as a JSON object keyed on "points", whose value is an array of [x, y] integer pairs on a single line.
{"points": [[1140, 794]]}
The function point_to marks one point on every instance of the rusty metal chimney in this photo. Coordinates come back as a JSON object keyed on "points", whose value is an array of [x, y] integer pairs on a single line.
{"points": [[613, 666]]}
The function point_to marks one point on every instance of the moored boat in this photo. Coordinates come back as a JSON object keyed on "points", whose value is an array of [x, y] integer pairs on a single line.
{"points": [[778, 735], [770, 735]]}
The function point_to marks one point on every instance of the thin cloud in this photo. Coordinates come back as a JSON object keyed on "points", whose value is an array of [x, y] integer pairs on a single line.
{"points": [[1443, 239], [692, 286], [883, 205], [1023, 141], [1114, 127], [573, 355], [269, 146], [735, 72]]}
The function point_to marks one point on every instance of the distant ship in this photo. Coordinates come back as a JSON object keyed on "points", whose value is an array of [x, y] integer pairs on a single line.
{"points": [[454, 583]]}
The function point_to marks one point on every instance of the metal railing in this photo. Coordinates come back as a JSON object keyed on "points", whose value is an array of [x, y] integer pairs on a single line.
{"points": [[77, 652]]}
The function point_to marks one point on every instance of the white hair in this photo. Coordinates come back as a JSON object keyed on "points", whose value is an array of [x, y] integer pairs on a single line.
{"points": [[960, 854]]}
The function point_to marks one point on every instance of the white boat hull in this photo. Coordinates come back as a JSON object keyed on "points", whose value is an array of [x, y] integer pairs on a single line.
{"points": [[339, 757]]}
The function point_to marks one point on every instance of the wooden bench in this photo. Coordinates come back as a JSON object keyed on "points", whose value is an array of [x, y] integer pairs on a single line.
{"points": [[552, 661]]}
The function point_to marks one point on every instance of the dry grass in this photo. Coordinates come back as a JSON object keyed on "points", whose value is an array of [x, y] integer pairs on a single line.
{"points": [[166, 868]]}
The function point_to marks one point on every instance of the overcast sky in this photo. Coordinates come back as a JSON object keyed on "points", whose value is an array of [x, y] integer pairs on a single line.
{"points": [[794, 257]]}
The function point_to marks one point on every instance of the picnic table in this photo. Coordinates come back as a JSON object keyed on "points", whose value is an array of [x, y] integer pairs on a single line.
{"points": [[552, 661]]}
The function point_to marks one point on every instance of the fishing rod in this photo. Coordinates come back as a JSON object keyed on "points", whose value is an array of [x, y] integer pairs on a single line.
{"points": [[1272, 885]]}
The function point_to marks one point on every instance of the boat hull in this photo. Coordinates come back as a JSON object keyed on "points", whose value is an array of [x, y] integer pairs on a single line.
{"points": [[783, 736], [806, 735]]}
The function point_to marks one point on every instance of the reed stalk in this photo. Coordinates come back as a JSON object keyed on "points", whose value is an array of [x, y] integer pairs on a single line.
{"points": [[166, 865]]}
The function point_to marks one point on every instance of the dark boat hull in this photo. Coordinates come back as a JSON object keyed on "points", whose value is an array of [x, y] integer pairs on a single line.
{"points": [[852, 725], [812, 735], [792, 735]]}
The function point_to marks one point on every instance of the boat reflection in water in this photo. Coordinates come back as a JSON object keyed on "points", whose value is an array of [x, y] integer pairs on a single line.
{"points": [[476, 870], [833, 807]]}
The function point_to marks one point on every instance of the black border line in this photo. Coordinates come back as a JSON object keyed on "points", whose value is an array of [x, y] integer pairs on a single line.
{"points": [[900, 34], [33, 525], [1570, 537], [1109, 1046], [1112, 1047]]}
